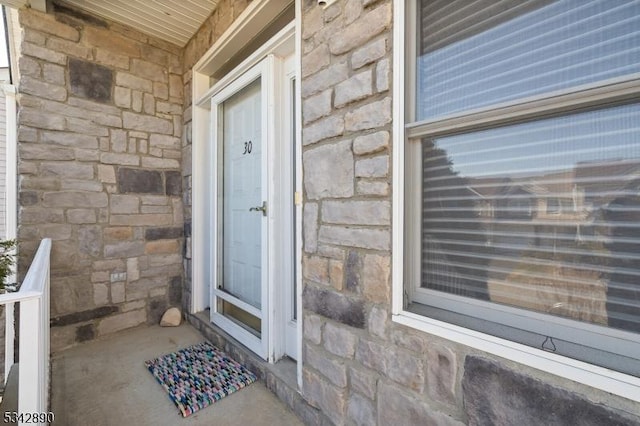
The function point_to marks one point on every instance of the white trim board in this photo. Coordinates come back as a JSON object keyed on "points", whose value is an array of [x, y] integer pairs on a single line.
{"points": [[279, 45], [298, 171]]}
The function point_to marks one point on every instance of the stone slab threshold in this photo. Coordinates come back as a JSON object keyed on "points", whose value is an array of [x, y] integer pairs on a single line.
{"points": [[279, 378]]}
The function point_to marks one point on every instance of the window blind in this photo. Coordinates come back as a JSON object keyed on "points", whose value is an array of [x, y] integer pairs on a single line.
{"points": [[475, 54], [542, 215]]}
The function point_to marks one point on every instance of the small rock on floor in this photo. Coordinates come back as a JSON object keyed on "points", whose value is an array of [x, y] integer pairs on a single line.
{"points": [[171, 318]]}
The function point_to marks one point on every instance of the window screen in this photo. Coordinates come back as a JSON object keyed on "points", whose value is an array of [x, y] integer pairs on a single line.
{"points": [[474, 54]]}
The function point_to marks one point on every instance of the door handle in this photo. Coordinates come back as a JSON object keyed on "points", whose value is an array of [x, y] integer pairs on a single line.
{"points": [[262, 208]]}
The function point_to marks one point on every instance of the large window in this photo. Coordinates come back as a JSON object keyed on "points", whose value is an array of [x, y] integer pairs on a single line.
{"points": [[522, 173]]}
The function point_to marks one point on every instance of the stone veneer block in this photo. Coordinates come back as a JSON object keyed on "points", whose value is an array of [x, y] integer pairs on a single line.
{"points": [[368, 238], [407, 410], [41, 89], [173, 181], [32, 117], [312, 22], [405, 369], [43, 152], [140, 181], [324, 79], [48, 24], [441, 374], [89, 80], [312, 329], [316, 269], [43, 53], [353, 267], [369, 53], [369, 116], [146, 123], [117, 292], [333, 369], [335, 306], [53, 74], [361, 30], [329, 171], [375, 167], [316, 60], [356, 88], [75, 199], [152, 234], [363, 381], [376, 274], [71, 139], [383, 75], [372, 355], [494, 394], [336, 274], [329, 398], [101, 37], [310, 222], [357, 212], [361, 411], [149, 70], [317, 106], [324, 129], [378, 322], [371, 143], [376, 188]]}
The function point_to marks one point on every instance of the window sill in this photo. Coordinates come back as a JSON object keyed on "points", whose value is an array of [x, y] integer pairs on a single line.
{"points": [[600, 378]]}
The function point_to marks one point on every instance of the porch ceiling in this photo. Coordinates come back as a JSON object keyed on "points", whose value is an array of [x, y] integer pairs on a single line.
{"points": [[169, 20]]}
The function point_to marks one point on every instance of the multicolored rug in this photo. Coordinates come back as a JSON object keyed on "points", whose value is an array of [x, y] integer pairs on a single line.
{"points": [[198, 376]]}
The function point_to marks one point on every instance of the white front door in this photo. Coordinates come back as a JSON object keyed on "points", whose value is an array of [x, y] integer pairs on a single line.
{"points": [[241, 128], [255, 217]]}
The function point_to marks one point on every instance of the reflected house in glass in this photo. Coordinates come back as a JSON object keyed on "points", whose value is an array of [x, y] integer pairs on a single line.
{"points": [[539, 227]]}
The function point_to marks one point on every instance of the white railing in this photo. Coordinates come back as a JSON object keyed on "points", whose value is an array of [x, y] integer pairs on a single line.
{"points": [[34, 353]]}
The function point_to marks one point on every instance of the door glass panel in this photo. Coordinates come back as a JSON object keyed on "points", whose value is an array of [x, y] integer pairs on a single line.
{"points": [[242, 190], [241, 317]]}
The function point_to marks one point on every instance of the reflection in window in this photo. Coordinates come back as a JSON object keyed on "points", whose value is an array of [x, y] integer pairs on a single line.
{"points": [[474, 54], [542, 215]]}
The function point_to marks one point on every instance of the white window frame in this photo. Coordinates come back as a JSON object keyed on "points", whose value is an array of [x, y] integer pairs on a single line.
{"points": [[617, 383]]}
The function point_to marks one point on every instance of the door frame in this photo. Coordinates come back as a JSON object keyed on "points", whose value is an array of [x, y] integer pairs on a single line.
{"points": [[266, 70], [200, 247], [292, 208]]}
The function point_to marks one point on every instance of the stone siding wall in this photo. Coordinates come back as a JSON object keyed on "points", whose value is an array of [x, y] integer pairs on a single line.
{"points": [[100, 127], [358, 366]]}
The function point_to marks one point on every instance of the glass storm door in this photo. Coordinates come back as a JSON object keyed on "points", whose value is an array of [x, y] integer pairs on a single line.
{"points": [[240, 294]]}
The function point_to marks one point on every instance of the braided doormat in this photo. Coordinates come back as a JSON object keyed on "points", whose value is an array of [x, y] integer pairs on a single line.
{"points": [[198, 376]]}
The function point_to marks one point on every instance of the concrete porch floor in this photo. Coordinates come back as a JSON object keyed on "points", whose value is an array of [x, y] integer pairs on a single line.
{"points": [[104, 382]]}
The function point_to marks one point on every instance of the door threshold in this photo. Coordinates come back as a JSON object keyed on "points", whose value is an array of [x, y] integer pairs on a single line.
{"points": [[284, 370]]}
